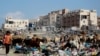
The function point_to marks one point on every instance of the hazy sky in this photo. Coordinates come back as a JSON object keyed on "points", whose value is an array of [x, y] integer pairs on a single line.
{"points": [[34, 8]]}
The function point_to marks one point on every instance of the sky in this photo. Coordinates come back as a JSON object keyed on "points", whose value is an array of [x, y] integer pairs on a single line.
{"points": [[28, 9]]}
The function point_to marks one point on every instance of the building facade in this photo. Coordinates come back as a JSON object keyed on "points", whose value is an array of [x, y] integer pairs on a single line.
{"points": [[44, 20], [15, 24], [33, 24], [99, 22], [83, 19], [53, 19]]}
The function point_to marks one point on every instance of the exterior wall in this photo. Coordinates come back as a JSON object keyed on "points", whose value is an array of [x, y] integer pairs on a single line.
{"points": [[51, 18], [40, 23], [89, 20], [84, 17], [59, 21], [67, 19], [56, 17], [93, 18], [33, 21], [44, 21], [14, 24], [80, 18], [33, 24], [70, 20], [98, 22]]}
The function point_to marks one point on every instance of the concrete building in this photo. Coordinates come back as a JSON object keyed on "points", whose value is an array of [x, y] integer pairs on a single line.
{"points": [[99, 22], [83, 19], [44, 20], [45, 23], [33, 24], [53, 19], [56, 17], [59, 21], [15, 24]]}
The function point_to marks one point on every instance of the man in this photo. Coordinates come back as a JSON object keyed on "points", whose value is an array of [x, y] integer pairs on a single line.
{"points": [[7, 41]]}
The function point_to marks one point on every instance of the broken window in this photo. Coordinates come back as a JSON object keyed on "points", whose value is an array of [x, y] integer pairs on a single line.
{"points": [[11, 22], [83, 16]]}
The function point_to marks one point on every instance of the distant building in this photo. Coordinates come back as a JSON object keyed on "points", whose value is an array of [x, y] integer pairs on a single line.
{"points": [[59, 21], [15, 24], [52, 19], [83, 19], [56, 17], [44, 21], [33, 24], [99, 22]]}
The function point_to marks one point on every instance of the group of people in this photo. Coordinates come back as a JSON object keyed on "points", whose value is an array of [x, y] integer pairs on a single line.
{"points": [[64, 45]]}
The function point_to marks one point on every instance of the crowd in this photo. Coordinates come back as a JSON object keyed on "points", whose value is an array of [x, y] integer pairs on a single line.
{"points": [[64, 45]]}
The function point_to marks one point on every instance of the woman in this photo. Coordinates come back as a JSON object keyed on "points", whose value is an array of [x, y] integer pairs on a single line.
{"points": [[7, 41]]}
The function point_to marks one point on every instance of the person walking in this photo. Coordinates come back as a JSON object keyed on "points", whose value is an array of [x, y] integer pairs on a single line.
{"points": [[7, 41]]}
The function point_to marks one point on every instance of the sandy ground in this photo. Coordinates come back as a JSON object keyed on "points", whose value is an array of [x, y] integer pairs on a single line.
{"points": [[11, 53]]}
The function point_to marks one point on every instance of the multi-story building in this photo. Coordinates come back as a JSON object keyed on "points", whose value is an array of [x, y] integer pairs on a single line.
{"points": [[15, 24], [52, 19], [99, 22], [44, 20], [56, 17], [59, 21], [33, 24], [83, 19]]}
